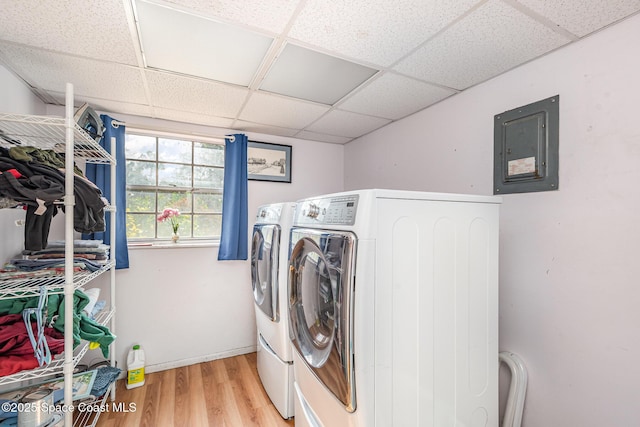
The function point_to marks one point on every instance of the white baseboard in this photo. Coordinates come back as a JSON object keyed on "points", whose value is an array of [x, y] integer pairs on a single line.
{"points": [[193, 360]]}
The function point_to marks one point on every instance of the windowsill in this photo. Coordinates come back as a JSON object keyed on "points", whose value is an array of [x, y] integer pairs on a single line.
{"points": [[166, 244]]}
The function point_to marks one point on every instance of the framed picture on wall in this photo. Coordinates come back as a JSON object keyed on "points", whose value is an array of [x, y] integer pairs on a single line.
{"points": [[269, 162]]}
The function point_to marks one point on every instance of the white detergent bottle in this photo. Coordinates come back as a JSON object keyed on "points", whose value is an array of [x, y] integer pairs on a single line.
{"points": [[135, 367]]}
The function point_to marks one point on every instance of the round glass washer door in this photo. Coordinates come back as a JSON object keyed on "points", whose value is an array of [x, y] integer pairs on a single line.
{"points": [[320, 307], [264, 268], [313, 303]]}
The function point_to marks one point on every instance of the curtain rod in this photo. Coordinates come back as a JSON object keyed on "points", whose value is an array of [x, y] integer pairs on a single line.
{"points": [[116, 124]]}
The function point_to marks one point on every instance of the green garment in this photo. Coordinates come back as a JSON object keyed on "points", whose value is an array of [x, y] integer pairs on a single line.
{"points": [[47, 157], [84, 328]]}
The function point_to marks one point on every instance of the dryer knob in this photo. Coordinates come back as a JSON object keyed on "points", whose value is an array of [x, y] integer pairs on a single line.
{"points": [[313, 211]]}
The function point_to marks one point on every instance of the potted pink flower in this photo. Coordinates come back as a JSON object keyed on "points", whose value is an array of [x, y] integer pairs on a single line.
{"points": [[172, 216]]}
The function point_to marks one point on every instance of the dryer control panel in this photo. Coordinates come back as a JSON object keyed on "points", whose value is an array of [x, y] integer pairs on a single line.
{"points": [[331, 210], [269, 214]]}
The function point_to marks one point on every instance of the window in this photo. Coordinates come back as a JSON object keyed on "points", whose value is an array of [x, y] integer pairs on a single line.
{"points": [[173, 173]]}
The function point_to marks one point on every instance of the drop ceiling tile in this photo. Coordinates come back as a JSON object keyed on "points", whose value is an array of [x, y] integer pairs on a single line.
{"points": [[306, 74], [104, 105], [177, 92], [393, 96], [280, 111], [375, 31], [190, 117], [272, 16], [97, 79], [582, 17], [346, 124], [491, 40], [120, 107], [98, 30], [242, 125], [188, 44], [321, 137]]}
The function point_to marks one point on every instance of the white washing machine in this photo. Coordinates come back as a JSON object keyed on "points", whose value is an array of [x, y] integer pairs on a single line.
{"points": [[269, 273], [393, 302]]}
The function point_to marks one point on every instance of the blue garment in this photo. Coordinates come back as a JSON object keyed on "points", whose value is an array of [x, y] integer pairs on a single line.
{"points": [[105, 376]]}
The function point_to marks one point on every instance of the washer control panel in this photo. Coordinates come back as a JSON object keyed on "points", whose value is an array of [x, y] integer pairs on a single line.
{"points": [[331, 210], [269, 214]]}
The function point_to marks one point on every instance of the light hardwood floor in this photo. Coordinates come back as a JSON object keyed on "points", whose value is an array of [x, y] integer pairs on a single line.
{"points": [[220, 393]]}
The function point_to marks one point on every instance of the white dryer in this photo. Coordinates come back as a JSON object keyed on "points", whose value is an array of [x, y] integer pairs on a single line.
{"points": [[393, 302], [269, 268]]}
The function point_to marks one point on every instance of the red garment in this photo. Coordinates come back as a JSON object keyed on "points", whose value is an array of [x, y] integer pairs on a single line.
{"points": [[14, 172], [12, 364], [16, 351]]}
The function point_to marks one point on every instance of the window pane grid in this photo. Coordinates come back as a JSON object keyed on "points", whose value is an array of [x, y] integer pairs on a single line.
{"points": [[194, 188]]}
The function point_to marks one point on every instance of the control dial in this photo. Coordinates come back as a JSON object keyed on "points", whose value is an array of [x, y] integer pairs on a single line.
{"points": [[313, 211]]}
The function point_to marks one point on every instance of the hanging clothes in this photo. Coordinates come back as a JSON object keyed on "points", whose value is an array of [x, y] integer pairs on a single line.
{"points": [[31, 177]]}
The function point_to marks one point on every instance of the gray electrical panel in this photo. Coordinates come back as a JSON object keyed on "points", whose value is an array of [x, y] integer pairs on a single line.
{"points": [[526, 148]]}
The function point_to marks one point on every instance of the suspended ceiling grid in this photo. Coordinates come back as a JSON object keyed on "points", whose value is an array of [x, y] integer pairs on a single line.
{"points": [[321, 70]]}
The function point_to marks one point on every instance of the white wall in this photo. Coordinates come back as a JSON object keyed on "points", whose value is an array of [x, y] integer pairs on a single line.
{"points": [[569, 293], [15, 98]]}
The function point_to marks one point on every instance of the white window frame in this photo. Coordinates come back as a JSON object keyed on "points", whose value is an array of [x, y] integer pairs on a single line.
{"points": [[184, 240]]}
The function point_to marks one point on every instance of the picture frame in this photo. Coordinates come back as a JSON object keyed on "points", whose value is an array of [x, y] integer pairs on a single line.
{"points": [[268, 162]]}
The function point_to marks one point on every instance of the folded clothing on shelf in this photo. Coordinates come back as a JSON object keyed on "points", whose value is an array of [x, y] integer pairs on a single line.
{"points": [[39, 264], [94, 250]]}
